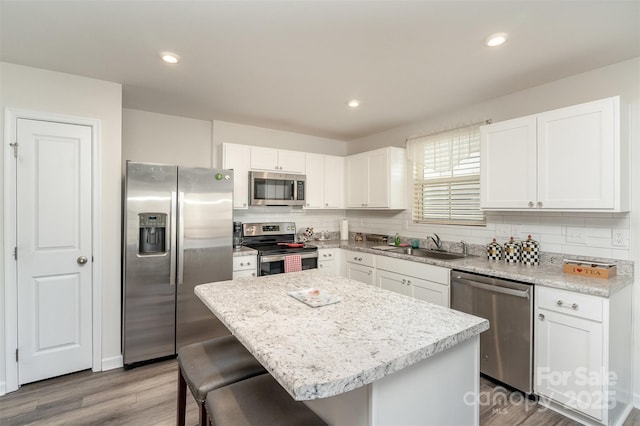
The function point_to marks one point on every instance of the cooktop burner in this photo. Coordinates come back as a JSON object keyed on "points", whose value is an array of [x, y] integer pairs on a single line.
{"points": [[274, 238]]}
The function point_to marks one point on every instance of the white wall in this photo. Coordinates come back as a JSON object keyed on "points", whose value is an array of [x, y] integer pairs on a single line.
{"points": [[550, 228], [46, 91], [166, 139]]}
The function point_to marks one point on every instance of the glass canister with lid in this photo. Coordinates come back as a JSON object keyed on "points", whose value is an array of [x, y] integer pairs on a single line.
{"points": [[530, 252], [494, 250], [512, 251]]}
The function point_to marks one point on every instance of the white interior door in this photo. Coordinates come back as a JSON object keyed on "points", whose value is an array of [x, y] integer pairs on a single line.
{"points": [[54, 249]]}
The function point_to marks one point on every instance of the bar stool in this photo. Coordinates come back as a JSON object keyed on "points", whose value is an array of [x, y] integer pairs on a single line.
{"points": [[259, 401], [209, 365]]}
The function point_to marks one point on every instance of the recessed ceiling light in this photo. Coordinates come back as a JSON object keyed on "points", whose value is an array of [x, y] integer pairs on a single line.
{"points": [[496, 39], [170, 58], [354, 103]]}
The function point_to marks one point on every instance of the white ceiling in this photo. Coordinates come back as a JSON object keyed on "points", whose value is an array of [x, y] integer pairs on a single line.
{"points": [[293, 65]]}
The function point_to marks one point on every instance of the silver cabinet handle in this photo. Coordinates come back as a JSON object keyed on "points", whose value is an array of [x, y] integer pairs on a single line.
{"points": [[408, 282], [326, 204], [82, 260], [574, 305], [559, 302], [539, 203], [530, 203], [541, 317], [404, 281], [370, 271], [321, 266]]}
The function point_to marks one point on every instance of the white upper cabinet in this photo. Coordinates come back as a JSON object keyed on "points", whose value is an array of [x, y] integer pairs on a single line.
{"points": [[236, 157], [277, 160], [325, 182], [377, 179], [570, 159]]}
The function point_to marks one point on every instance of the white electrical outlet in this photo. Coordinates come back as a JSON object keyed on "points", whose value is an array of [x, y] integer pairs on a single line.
{"points": [[576, 235], [503, 230], [620, 238]]}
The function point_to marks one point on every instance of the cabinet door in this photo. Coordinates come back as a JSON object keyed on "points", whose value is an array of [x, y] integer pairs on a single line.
{"points": [[236, 157], [333, 182], [576, 147], [430, 291], [291, 161], [357, 180], [364, 274], [508, 164], [264, 159], [394, 282], [378, 179], [315, 181], [328, 267], [568, 351]]}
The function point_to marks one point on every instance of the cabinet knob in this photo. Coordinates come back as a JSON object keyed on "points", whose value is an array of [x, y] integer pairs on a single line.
{"points": [[408, 282], [559, 302], [539, 203], [541, 317], [241, 264], [244, 204], [574, 305], [370, 272], [530, 203], [253, 274], [321, 266], [404, 281]]}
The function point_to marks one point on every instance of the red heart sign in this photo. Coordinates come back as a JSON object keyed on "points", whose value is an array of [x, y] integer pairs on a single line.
{"points": [[579, 269]]}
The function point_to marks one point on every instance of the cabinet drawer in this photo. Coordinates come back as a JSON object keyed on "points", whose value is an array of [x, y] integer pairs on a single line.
{"points": [[327, 255], [570, 303], [360, 258], [241, 263], [414, 269]]}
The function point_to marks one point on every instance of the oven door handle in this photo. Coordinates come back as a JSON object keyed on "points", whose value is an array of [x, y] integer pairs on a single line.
{"points": [[493, 288], [280, 257]]}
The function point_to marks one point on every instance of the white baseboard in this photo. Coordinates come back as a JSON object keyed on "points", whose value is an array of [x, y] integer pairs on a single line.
{"points": [[111, 363], [3, 388]]}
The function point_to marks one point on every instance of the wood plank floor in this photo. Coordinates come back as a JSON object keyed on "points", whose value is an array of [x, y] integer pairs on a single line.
{"points": [[146, 396]]}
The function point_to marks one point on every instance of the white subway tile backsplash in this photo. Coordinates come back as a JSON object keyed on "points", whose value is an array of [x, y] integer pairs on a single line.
{"points": [[549, 228]]}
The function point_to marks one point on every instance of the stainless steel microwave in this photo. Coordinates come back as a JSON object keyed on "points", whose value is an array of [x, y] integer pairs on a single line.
{"points": [[276, 189]]}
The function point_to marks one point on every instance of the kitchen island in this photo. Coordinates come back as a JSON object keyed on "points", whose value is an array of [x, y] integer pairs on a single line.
{"points": [[373, 358]]}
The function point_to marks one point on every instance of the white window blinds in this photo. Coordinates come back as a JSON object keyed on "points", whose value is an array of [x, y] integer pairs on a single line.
{"points": [[446, 173]]}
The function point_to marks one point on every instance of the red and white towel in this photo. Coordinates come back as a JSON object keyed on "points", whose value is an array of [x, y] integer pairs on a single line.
{"points": [[293, 263]]}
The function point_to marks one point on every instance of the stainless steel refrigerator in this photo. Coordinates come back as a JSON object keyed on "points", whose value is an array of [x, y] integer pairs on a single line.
{"points": [[177, 234]]}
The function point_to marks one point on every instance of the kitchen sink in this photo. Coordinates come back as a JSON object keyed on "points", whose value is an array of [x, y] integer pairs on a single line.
{"points": [[434, 254]]}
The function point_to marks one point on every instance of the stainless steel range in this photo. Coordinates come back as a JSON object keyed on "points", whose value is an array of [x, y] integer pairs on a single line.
{"points": [[274, 242]]}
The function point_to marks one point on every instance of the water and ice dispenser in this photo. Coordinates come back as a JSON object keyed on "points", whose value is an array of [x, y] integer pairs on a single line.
{"points": [[153, 229]]}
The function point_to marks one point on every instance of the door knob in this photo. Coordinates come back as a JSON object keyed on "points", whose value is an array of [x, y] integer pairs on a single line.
{"points": [[82, 260]]}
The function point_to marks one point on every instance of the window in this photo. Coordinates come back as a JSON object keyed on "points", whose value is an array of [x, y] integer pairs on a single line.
{"points": [[446, 177]]}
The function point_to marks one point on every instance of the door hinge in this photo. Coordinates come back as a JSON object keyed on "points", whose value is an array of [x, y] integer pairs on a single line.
{"points": [[15, 148], [15, 253], [16, 354]]}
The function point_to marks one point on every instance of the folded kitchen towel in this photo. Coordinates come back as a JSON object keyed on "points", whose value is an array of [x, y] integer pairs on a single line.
{"points": [[293, 263]]}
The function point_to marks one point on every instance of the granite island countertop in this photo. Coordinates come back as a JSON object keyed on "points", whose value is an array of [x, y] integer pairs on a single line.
{"points": [[326, 351], [548, 274]]}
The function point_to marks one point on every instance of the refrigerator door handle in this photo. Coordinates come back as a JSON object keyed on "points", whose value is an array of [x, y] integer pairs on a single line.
{"points": [[172, 247], [180, 237]]}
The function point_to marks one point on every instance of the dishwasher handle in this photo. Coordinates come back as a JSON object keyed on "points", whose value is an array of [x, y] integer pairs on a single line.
{"points": [[494, 288]]}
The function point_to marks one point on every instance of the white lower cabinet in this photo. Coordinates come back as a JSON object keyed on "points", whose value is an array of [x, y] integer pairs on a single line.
{"points": [[329, 261], [359, 266], [583, 353], [245, 266], [419, 280]]}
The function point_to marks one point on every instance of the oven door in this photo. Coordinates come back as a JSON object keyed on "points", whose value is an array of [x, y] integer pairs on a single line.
{"points": [[271, 264]]}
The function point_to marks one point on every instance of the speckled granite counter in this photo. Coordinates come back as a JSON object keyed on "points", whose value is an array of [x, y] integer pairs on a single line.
{"points": [[329, 350], [548, 274], [244, 251]]}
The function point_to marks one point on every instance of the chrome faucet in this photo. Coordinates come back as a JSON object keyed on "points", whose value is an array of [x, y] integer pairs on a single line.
{"points": [[436, 240], [464, 247]]}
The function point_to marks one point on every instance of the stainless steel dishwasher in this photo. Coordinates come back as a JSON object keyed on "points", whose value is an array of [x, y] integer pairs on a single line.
{"points": [[506, 349]]}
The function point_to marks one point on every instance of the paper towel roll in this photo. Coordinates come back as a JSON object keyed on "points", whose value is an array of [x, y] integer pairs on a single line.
{"points": [[344, 229]]}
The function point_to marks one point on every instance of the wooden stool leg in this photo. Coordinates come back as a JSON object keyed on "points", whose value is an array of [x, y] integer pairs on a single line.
{"points": [[182, 399], [203, 414]]}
